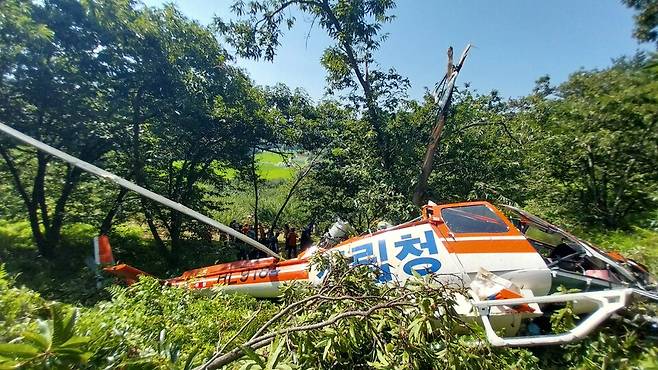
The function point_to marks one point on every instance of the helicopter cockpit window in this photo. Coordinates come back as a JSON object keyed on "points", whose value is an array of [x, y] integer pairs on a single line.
{"points": [[473, 219]]}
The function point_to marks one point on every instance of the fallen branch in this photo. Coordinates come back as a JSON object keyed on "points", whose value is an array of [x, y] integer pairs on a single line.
{"points": [[253, 317], [257, 343]]}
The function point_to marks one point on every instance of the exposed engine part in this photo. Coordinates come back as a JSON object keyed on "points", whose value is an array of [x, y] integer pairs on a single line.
{"points": [[337, 233]]}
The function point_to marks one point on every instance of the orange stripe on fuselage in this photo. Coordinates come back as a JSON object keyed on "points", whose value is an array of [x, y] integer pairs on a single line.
{"points": [[489, 246], [485, 246], [245, 277], [239, 266], [244, 272]]}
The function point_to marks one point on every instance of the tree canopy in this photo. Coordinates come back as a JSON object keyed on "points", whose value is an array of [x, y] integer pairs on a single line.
{"points": [[646, 19]]}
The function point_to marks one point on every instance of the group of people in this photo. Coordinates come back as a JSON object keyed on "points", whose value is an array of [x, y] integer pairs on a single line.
{"points": [[269, 237]]}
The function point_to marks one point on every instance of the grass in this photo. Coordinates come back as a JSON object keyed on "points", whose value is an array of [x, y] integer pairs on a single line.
{"points": [[277, 176], [66, 277], [639, 244], [239, 205], [70, 276], [272, 167]]}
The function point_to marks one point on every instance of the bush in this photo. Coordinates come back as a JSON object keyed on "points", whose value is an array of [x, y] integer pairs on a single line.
{"points": [[19, 308], [145, 324], [149, 323]]}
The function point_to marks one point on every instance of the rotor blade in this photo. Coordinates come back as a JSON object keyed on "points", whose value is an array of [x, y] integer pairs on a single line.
{"points": [[463, 57], [443, 101], [134, 187]]}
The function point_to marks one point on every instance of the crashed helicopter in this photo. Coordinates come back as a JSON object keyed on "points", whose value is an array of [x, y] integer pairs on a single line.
{"points": [[512, 263], [512, 266]]}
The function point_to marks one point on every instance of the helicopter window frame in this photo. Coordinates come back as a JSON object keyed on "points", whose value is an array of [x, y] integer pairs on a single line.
{"points": [[473, 219]]}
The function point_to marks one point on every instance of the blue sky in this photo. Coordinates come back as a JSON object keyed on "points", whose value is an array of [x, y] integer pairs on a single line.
{"points": [[515, 42]]}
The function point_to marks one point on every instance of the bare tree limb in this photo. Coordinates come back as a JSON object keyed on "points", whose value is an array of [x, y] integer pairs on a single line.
{"points": [[15, 175], [253, 317], [300, 177], [268, 16], [265, 340]]}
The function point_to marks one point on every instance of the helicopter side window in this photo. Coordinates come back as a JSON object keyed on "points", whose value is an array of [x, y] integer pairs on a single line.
{"points": [[473, 219]]}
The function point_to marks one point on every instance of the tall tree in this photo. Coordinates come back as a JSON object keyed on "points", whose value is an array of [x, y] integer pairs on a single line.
{"points": [[599, 143], [214, 120], [51, 88], [646, 19], [355, 27]]}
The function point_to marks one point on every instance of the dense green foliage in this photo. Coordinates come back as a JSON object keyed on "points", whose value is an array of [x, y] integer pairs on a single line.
{"points": [[197, 131], [350, 321], [599, 137], [646, 19], [145, 93], [144, 324], [158, 99]]}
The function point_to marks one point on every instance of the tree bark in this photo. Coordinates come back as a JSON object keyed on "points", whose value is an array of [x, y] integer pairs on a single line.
{"points": [[428, 162], [39, 191], [420, 192], [53, 235], [138, 170], [373, 109], [154, 232], [254, 177], [190, 174], [175, 231], [32, 212], [106, 225]]}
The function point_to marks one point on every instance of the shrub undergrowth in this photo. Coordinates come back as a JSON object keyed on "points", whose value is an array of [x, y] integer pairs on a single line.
{"points": [[147, 325]]}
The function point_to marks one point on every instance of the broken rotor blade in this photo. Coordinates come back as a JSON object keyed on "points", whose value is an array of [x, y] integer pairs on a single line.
{"points": [[134, 187]]}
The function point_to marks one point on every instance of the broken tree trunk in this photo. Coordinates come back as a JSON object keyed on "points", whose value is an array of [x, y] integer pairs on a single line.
{"points": [[254, 178], [443, 100]]}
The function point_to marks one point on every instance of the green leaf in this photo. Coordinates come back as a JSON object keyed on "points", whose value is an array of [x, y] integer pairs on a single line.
{"points": [[84, 358], [75, 342], [45, 330], [67, 351], [327, 348], [62, 324], [190, 359], [9, 365], [249, 365], [39, 341], [253, 355], [352, 333], [18, 350], [274, 355]]}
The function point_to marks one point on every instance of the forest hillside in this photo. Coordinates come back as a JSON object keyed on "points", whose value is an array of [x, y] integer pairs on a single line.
{"points": [[160, 100]]}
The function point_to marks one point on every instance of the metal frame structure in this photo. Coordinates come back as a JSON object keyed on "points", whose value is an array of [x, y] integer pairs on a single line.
{"points": [[608, 302]]}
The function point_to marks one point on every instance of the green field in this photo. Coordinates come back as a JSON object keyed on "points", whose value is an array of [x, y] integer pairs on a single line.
{"points": [[273, 166]]}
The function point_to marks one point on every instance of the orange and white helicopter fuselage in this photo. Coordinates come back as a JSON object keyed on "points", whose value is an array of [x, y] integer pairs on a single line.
{"points": [[473, 245]]}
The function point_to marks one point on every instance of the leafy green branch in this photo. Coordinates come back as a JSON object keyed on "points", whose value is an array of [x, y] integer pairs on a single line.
{"points": [[349, 314], [55, 345]]}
